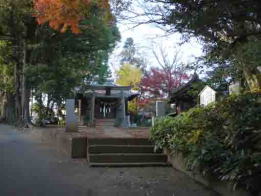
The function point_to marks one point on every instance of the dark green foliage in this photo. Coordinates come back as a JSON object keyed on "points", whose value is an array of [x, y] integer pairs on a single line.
{"points": [[48, 62], [6, 68], [223, 140], [142, 121], [228, 29], [216, 21], [43, 113], [86, 120], [62, 62]]}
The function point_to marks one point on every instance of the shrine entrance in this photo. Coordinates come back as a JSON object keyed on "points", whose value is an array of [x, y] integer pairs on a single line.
{"points": [[104, 104], [105, 108]]}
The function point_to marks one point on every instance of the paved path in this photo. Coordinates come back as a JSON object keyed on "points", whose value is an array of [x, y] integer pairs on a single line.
{"points": [[31, 168], [111, 131]]}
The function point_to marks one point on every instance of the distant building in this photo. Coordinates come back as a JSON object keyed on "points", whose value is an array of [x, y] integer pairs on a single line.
{"points": [[207, 96], [186, 96]]}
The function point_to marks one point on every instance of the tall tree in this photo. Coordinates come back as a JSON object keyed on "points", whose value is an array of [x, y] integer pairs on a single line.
{"points": [[38, 46], [130, 55], [226, 28], [159, 83], [129, 75], [171, 73], [17, 26], [6, 82], [67, 14], [72, 61]]}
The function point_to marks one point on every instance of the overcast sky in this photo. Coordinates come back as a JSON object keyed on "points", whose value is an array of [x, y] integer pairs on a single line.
{"points": [[147, 35]]}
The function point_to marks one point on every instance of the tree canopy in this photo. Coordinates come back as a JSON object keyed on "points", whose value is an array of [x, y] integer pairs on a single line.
{"points": [[64, 14], [226, 28], [159, 83], [129, 75], [47, 61]]}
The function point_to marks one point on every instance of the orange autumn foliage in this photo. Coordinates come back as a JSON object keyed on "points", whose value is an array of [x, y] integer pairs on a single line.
{"points": [[65, 14]]}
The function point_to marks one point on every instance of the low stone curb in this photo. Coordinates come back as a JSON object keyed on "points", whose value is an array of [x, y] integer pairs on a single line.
{"points": [[224, 188]]}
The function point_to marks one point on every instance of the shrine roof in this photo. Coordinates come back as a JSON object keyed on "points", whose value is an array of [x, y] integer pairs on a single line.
{"points": [[183, 89], [109, 84], [104, 87]]}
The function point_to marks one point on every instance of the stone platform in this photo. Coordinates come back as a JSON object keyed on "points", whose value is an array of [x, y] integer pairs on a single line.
{"points": [[75, 143], [106, 145]]}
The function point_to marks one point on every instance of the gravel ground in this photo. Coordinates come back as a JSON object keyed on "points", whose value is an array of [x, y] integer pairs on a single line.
{"points": [[31, 167]]}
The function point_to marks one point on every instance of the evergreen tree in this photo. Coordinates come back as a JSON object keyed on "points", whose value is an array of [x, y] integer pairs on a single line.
{"points": [[130, 55], [48, 61]]}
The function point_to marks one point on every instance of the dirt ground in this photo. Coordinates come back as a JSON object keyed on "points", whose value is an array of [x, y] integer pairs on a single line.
{"points": [[29, 166]]}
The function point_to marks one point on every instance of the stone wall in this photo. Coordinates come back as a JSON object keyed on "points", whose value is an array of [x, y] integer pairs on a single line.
{"points": [[72, 144], [224, 188]]}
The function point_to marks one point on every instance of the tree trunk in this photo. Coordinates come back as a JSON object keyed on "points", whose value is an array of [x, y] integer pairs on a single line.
{"points": [[253, 79], [2, 100], [22, 94], [9, 109], [18, 103], [2, 106], [25, 93]]}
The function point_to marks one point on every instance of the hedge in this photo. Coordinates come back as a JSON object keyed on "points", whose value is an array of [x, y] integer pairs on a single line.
{"points": [[223, 139]]}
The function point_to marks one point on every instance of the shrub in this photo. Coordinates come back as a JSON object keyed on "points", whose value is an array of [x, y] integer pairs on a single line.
{"points": [[223, 139], [141, 120]]}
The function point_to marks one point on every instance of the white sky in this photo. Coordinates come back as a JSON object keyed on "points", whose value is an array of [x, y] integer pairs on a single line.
{"points": [[145, 35]]}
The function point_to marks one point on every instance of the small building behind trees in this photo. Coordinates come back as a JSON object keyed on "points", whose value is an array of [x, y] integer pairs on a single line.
{"points": [[207, 96], [186, 96]]}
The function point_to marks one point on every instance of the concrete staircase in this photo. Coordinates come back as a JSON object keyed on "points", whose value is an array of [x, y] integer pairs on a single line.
{"points": [[124, 152], [106, 122]]}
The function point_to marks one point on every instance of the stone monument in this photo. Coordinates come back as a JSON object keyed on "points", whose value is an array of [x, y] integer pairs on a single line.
{"points": [[160, 108], [71, 119], [234, 88]]}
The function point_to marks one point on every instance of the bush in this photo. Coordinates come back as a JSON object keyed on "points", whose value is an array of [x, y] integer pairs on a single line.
{"points": [[222, 140], [141, 120]]}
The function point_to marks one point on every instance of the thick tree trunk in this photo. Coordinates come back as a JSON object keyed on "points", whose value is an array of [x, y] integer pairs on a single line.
{"points": [[8, 108], [25, 93], [26, 112], [18, 102], [2, 106], [22, 94]]}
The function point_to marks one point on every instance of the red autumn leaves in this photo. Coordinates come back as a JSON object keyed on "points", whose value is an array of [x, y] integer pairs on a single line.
{"points": [[65, 14]]}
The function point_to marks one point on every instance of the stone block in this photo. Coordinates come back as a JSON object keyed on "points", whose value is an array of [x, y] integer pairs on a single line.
{"points": [[234, 88], [160, 108], [71, 119]]}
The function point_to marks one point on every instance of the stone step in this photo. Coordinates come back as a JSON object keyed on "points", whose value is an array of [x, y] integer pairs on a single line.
{"points": [[105, 120], [96, 149], [104, 123], [82, 126], [149, 164], [119, 141], [128, 158]]}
